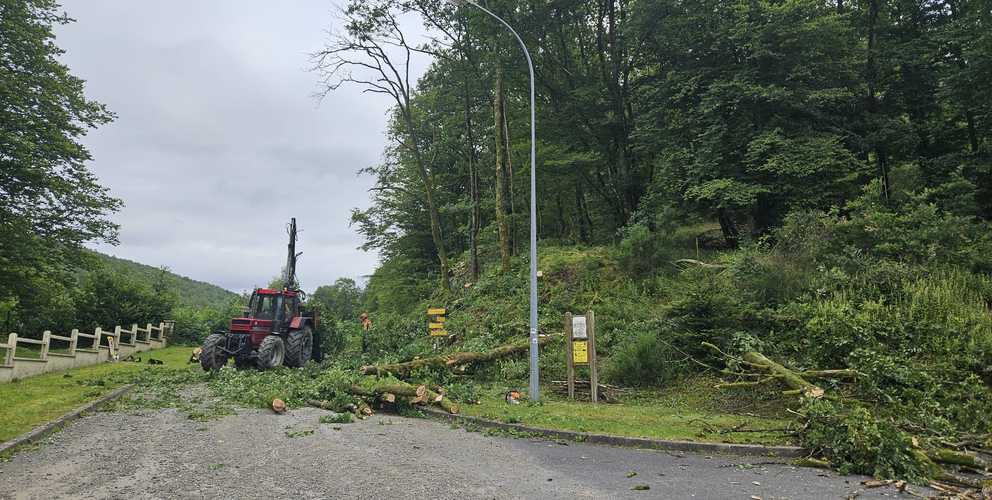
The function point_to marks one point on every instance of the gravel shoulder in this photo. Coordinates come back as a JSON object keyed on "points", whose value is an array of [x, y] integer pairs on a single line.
{"points": [[258, 454]]}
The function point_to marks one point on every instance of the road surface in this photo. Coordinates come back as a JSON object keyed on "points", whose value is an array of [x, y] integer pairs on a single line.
{"points": [[258, 454]]}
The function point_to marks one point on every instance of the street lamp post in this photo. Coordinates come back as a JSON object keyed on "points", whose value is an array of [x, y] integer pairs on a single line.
{"points": [[534, 369]]}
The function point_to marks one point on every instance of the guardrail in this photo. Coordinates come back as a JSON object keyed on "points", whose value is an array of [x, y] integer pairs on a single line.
{"points": [[83, 349]]}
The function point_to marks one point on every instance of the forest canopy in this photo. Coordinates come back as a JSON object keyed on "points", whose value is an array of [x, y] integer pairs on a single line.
{"points": [[724, 111]]}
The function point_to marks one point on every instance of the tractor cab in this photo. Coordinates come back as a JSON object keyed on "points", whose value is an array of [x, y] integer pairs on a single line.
{"points": [[269, 312], [274, 305]]}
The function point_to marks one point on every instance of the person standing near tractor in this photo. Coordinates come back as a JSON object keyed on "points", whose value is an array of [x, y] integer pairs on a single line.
{"points": [[366, 327]]}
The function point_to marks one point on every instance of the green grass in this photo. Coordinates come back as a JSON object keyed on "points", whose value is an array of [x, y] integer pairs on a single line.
{"points": [[32, 401], [680, 413]]}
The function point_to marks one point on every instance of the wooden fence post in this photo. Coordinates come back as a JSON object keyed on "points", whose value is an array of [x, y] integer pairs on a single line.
{"points": [[11, 348], [46, 341], [73, 341], [96, 338]]}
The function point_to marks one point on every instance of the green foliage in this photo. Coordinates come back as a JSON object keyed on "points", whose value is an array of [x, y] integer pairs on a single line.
{"points": [[857, 442], [193, 324], [340, 301], [642, 358], [50, 203], [257, 389], [105, 299]]}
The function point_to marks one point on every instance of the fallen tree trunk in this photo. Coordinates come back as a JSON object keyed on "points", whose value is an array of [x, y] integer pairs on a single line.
{"points": [[418, 394], [395, 388], [450, 360], [952, 457], [789, 377]]}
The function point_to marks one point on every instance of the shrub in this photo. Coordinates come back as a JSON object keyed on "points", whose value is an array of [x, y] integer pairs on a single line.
{"points": [[643, 358]]}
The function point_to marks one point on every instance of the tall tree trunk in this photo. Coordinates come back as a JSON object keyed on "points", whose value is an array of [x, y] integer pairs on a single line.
{"points": [[473, 187], [502, 178], [583, 221], [881, 157], [436, 231], [729, 227]]}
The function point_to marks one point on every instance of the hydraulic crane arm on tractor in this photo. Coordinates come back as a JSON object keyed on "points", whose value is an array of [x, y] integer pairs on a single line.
{"points": [[276, 329]]}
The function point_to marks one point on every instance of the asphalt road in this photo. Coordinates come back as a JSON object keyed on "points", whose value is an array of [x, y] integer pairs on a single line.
{"points": [[258, 454]]}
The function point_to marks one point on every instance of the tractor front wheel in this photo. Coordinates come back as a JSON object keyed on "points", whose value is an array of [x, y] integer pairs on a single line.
{"points": [[213, 357], [300, 347], [271, 353]]}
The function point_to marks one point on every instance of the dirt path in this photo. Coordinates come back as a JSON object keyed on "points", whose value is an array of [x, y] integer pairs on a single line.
{"points": [[253, 454]]}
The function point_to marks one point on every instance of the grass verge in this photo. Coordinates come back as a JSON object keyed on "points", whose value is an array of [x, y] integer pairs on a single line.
{"points": [[677, 413], [33, 401]]}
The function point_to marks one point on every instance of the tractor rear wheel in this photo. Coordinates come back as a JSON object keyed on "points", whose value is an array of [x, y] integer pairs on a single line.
{"points": [[299, 348], [271, 353], [213, 357]]}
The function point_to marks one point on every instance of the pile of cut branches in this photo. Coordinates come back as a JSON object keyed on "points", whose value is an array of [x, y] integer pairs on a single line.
{"points": [[377, 385], [856, 435]]}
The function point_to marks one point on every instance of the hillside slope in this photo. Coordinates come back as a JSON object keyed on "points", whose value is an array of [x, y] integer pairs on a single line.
{"points": [[188, 292]]}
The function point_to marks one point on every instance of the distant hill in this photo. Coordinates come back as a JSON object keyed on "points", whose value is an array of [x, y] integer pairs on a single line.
{"points": [[189, 292]]}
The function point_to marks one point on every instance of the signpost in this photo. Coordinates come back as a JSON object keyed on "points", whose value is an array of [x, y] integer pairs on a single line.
{"points": [[580, 350], [436, 319]]}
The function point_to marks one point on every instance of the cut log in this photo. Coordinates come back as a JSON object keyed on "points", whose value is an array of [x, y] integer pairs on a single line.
{"points": [[451, 360], [442, 401]]}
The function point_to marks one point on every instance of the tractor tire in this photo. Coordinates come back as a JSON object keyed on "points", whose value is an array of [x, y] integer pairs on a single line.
{"points": [[300, 347], [212, 357], [271, 353]]}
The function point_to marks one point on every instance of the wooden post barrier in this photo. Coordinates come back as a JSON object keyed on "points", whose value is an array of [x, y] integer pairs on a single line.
{"points": [[73, 341], [46, 341], [11, 349], [97, 334]]}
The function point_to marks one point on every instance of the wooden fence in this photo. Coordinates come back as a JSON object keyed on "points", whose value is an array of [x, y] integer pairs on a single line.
{"points": [[83, 349]]}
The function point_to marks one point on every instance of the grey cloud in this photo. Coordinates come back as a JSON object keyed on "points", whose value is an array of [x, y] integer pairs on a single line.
{"points": [[219, 140]]}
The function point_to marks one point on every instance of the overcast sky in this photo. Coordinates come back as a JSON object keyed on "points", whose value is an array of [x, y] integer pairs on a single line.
{"points": [[218, 140]]}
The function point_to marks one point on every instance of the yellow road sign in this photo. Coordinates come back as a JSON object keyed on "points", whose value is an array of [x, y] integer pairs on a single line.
{"points": [[580, 352], [436, 311], [436, 326], [439, 333]]}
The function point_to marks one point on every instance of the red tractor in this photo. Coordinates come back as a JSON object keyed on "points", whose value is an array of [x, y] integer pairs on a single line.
{"points": [[276, 329]]}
